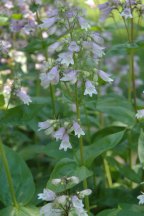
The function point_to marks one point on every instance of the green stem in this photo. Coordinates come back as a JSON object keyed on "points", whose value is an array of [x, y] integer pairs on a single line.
{"points": [[8, 174], [85, 185], [108, 173], [53, 100]]}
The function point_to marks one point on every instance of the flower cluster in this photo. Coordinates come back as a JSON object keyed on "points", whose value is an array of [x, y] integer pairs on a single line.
{"points": [[61, 204], [61, 133]]}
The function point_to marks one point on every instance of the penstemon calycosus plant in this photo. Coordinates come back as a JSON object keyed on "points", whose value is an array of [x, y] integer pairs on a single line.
{"points": [[71, 107]]}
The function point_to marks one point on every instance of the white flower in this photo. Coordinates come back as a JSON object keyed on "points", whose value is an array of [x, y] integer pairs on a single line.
{"points": [[23, 96], [91, 3], [77, 129], [58, 135], [49, 210], [127, 13], [65, 144], [83, 23], [104, 76], [90, 89], [84, 193], [73, 179], [140, 114], [73, 47], [66, 58], [4, 46], [141, 199], [44, 125], [47, 195], [56, 181]]}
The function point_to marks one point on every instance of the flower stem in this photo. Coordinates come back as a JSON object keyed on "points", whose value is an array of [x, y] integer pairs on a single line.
{"points": [[53, 99], [85, 185], [8, 174]]}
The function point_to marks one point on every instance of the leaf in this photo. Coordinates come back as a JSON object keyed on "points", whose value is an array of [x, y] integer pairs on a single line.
{"points": [[2, 102], [22, 211], [20, 115], [141, 147], [100, 146], [126, 210], [21, 177], [67, 167], [117, 107], [3, 20]]}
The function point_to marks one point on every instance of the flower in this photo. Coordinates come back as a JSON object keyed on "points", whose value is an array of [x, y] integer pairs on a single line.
{"points": [[77, 129], [141, 199], [47, 195], [44, 125], [49, 210], [56, 181], [23, 96], [51, 77], [65, 144], [84, 193], [83, 23], [73, 47], [127, 13], [62, 200], [78, 206], [66, 58], [70, 76], [91, 3], [104, 76], [73, 179], [59, 133], [140, 114], [90, 89], [47, 23]]}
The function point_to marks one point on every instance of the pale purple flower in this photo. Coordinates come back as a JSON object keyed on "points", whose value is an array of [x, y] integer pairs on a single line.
{"points": [[47, 23], [70, 76], [66, 58], [50, 210], [51, 77], [104, 76], [65, 144], [90, 88], [127, 13], [141, 199], [78, 130], [140, 114], [97, 38], [58, 135], [47, 195], [78, 206], [17, 25], [9, 5], [62, 200], [83, 23], [105, 9], [73, 47], [4, 46], [23, 96], [44, 125]]}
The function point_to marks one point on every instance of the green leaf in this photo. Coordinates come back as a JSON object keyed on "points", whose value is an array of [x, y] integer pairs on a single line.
{"points": [[100, 146], [20, 114], [141, 147], [2, 102], [124, 210], [22, 211], [3, 20], [21, 177], [117, 107], [67, 167]]}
